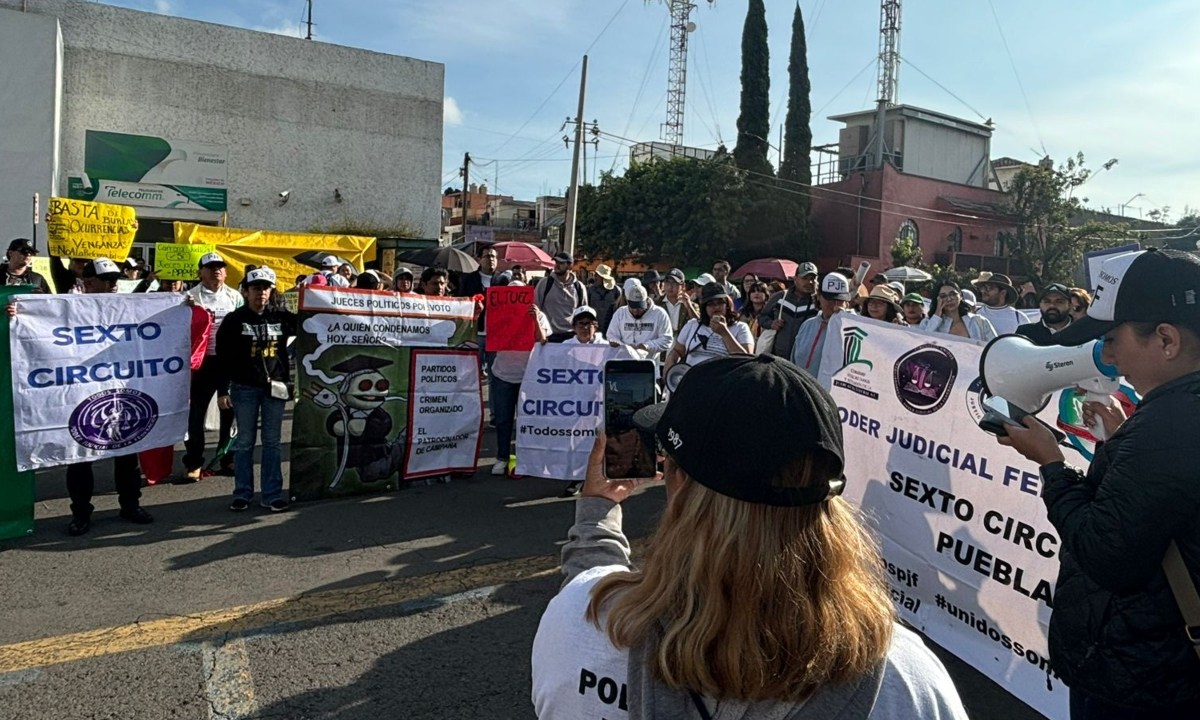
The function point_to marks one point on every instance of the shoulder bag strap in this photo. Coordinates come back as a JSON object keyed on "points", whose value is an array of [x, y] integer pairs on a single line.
{"points": [[1186, 595]]}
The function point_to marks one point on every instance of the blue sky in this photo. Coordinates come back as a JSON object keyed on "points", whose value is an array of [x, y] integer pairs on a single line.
{"points": [[1110, 78]]}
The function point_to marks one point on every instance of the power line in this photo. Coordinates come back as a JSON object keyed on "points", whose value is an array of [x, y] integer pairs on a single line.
{"points": [[846, 87], [1021, 86], [947, 90], [569, 74]]}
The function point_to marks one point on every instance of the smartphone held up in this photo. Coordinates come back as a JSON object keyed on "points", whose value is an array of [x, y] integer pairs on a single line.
{"points": [[629, 386]]}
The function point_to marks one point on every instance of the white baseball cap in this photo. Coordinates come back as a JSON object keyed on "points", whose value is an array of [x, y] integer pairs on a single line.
{"points": [[211, 259], [101, 268], [581, 311], [704, 279], [636, 297], [330, 261], [835, 286], [261, 275]]}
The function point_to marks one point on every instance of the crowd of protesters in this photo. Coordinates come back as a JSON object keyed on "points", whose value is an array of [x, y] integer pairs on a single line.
{"points": [[716, 324]]}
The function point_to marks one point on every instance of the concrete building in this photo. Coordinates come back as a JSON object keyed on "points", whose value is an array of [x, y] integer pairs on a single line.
{"points": [[194, 121], [932, 189]]}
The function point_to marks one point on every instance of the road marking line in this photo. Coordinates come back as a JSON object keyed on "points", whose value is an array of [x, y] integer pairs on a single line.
{"points": [[245, 619], [228, 684]]}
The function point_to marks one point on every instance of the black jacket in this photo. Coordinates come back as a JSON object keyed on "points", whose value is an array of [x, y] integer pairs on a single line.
{"points": [[252, 348], [1116, 631], [470, 286], [29, 277], [1037, 332], [793, 308]]}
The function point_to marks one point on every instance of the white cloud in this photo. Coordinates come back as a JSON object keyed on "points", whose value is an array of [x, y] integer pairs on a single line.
{"points": [[451, 114], [164, 7]]}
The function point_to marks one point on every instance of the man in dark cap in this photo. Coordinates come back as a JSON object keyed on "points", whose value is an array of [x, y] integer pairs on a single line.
{"points": [[1055, 305], [18, 270], [360, 422], [652, 280]]}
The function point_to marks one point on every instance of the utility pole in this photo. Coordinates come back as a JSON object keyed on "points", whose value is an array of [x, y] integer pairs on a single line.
{"points": [[573, 191], [309, 21], [466, 193]]}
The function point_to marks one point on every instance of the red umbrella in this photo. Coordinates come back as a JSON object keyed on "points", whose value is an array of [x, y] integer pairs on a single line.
{"points": [[523, 254], [768, 268]]}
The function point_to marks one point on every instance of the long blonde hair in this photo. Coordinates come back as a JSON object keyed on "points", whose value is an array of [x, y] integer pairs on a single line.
{"points": [[754, 602]]}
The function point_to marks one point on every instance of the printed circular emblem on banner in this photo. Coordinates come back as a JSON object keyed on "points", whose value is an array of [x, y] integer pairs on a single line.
{"points": [[113, 419], [975, 400], [924, 377]]}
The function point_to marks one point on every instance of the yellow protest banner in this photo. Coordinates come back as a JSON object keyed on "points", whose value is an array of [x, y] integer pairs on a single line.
{"points": [[288, 254], [83, 229], [179, 262]]}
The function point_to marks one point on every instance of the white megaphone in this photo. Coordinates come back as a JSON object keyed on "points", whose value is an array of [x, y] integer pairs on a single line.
{"points": [[1012, 367]]}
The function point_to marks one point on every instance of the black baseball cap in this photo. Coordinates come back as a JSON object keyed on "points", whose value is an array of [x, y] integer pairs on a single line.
{"points": [[793, 415], [677, 275], [23, 245], [651, 276], [1158, 286], [1055, 288], [562, 257]]}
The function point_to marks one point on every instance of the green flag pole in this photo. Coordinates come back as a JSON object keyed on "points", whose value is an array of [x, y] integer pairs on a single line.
{"points": [[16, 488]]}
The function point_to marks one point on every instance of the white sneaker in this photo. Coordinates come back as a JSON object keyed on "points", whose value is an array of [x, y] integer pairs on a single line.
{"points": [[500, 468]]}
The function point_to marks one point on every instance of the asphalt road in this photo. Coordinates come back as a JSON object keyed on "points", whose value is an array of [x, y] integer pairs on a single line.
{"points": [[421, 603]]}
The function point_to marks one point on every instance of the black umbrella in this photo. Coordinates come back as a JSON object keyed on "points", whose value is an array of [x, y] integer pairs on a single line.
{"points": [[447, 257], [316, 258]]}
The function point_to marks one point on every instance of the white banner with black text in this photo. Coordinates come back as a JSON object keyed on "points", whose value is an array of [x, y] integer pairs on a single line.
{"points": [[98, 375]]}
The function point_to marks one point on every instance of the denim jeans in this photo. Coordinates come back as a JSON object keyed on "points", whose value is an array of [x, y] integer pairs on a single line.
{"points": [[486, 358], [504, 396], [248, 404]]}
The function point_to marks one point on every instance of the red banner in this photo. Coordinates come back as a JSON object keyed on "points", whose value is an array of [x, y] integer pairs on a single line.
{"points": [[509, 324]]}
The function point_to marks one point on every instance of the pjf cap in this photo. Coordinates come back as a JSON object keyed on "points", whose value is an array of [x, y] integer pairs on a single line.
{"points": [[102, 268], [835, 286], [261, 275], [211, 259], [771, 394]]}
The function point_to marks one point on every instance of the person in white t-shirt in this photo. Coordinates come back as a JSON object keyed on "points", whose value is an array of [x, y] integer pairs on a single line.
{"points": [[640, 323], [997, 295], [784, 614], [219, 300], [586, 327], [716, 333]]}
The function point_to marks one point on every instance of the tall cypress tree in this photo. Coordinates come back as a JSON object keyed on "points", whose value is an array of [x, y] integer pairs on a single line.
{"points": [[796, 165], [754, 121]]}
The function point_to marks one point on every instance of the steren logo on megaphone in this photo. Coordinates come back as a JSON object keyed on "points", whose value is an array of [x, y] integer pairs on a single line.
{"points": [[1052, 366]]}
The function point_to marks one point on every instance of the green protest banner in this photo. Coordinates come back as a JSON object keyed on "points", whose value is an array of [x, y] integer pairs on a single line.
{"points": [[378, 396], [179, 262], [16, 488]]}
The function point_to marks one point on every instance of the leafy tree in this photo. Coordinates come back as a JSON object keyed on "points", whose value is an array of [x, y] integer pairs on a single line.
{"points": [[682, 209], [754, 121], [1043, 204], [906, 252], [796, 165]]}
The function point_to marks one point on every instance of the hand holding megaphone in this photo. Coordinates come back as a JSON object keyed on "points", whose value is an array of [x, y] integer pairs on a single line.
{"points": [[1026, 375]]}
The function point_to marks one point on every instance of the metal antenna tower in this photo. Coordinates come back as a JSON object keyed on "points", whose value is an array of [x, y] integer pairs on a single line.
{"points": [[889, 73], [889, 51], [681, 27]]}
